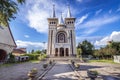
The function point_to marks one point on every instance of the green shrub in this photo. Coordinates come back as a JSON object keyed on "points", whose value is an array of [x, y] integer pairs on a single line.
{"points": [[32, 56], [11, 58]]}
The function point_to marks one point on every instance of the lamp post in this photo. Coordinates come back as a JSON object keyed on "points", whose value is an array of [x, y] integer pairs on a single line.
{"points": [[44, 46]]}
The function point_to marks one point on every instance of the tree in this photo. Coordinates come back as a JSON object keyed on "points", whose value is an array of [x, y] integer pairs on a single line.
{"points": [[11, 58], [8, 9], [116, 46], [105, 53], [79, 51], [38, 52], [86, 47], [111, 52], [96, 53], [32, 51]]}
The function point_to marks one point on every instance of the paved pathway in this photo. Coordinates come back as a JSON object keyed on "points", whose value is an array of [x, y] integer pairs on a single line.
{"points": [[61, 71], [106, 71], [18, 71]]}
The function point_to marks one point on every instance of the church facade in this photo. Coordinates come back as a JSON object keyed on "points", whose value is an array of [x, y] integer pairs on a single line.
{"points": [[61, 35]]}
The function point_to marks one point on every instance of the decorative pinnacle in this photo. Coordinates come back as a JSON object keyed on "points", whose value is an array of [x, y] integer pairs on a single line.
{"points": [[61, 19], [53, 15], [69, 12]]}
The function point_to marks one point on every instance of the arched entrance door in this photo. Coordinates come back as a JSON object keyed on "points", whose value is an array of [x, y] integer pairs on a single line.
{"points": [[61, 51], [3, 55]]}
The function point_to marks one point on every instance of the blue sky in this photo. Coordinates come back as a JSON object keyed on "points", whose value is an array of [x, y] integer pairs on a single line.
{"points": [[98, 21]]}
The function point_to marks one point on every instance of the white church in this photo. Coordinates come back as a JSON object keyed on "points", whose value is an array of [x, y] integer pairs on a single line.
{"points": [[61, 35]]}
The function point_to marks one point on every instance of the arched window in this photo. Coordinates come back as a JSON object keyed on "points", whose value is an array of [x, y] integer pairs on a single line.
{"points": [[61, 37]]}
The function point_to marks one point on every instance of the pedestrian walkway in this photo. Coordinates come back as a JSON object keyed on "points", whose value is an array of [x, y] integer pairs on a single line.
{"points": [[19, 71], [61, 71]]}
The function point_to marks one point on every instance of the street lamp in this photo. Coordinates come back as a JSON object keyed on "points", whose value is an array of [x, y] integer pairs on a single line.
{"points": [[44, 46]]}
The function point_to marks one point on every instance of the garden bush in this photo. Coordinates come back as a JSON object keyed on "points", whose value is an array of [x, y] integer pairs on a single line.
{"points": [[32, 56]]}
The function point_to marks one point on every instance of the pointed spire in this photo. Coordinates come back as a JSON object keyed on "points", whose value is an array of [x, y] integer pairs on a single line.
{"points": [[69, 12], [53, 13], [61, 19]]}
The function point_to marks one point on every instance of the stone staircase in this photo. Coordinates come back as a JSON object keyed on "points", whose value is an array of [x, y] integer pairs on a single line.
{"points": [[64, 58]]}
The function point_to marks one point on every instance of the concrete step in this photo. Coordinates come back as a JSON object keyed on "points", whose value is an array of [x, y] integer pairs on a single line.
{"points": [[64, 58]]}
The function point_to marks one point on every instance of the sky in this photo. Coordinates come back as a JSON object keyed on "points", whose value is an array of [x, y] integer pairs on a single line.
{"points": [[97, 21]]}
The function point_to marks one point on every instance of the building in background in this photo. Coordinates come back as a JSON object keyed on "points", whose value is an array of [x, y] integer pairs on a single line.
{"points": [[7, 43], [61, 35], [19, 51]]}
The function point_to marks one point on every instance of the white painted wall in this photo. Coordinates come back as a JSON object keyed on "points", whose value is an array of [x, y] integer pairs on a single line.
{"points": [[117, 58], [6, 40]]}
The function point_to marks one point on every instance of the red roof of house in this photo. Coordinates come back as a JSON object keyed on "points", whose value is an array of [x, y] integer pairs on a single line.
{"points": [[18, 51]]}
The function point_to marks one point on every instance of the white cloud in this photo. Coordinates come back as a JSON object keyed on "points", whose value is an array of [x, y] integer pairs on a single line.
{"points": [[98, 11], [37, 16], [115, 36], [110, 11], [90, 38], [118, 9], [31, 45], [80, 1], [26, 36], [80, 20], [36, 13], [89, 31], [95, 23], [100, 21]]}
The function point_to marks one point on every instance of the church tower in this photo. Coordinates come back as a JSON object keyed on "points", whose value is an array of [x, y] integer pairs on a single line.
{"points": [[61, 35]]}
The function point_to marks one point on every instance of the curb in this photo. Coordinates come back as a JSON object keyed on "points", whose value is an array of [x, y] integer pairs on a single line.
{"points": [[45, 72]]}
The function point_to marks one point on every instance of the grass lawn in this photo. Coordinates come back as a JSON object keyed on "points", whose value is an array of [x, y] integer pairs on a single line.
{"points": [[6, 65], [34, 61], [9, 64], [103, 60]]}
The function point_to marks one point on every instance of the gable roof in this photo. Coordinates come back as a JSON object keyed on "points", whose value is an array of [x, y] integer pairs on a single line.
{"points": [[6, 36], [18, 51]]}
